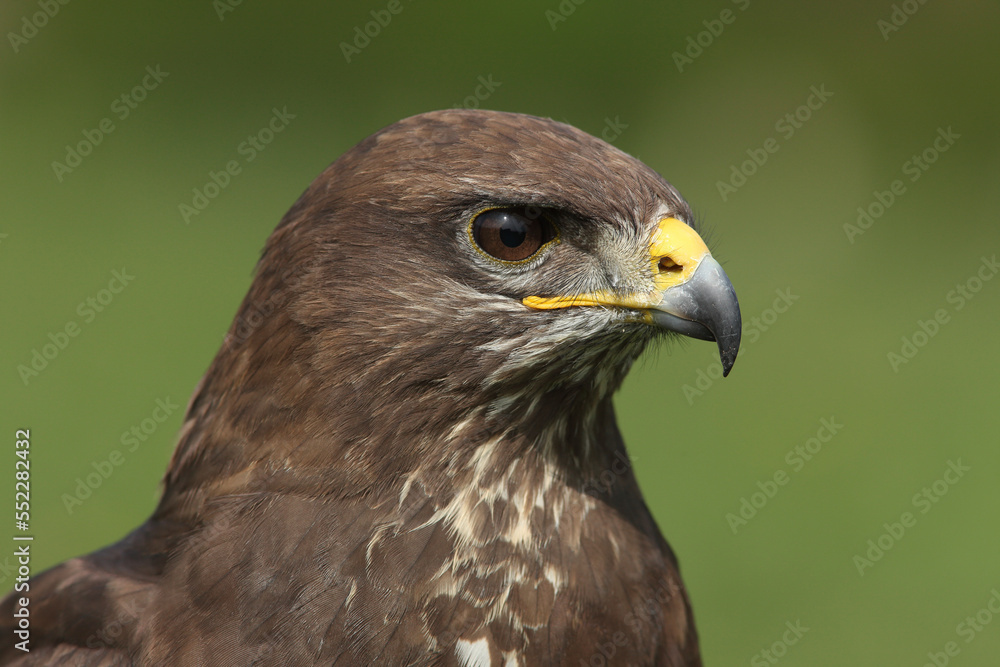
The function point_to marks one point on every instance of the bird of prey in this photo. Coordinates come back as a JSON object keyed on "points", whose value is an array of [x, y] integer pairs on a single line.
{"points": [[405, 452]]}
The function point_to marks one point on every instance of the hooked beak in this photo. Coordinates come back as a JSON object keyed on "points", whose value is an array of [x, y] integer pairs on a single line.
{"points": [[692, 295]]}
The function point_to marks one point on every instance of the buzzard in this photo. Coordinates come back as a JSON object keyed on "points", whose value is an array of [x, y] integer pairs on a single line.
{"points": [[405, 452]]}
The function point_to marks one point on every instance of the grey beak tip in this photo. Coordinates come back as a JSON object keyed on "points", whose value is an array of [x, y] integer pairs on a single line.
{"points": [[705, 307], [728, 349]]}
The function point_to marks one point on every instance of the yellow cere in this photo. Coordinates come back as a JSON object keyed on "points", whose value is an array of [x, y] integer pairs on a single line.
{"points": [[674, 242], [674, 253]]}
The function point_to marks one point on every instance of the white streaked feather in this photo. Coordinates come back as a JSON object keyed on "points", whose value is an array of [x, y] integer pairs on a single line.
{"points": [[473, 654]]}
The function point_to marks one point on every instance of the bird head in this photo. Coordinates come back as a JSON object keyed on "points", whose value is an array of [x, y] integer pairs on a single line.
{"points": [[515, 237], [464, 267]]}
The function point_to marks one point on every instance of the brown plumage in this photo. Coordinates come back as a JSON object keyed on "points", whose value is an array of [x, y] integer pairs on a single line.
{"points": [[393, 460]]}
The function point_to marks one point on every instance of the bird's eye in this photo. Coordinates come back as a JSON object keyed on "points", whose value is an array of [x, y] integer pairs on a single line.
{"points": [[512, 234]]}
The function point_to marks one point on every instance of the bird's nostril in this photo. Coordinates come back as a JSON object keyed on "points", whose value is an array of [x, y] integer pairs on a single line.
{"points": [[668, 265]]}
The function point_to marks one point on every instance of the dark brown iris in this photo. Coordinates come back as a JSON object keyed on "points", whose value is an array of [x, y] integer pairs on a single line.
{"points": [[511, 234]]}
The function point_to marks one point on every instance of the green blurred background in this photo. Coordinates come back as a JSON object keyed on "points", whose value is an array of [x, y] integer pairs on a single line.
{"points": [[854, 297]]}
